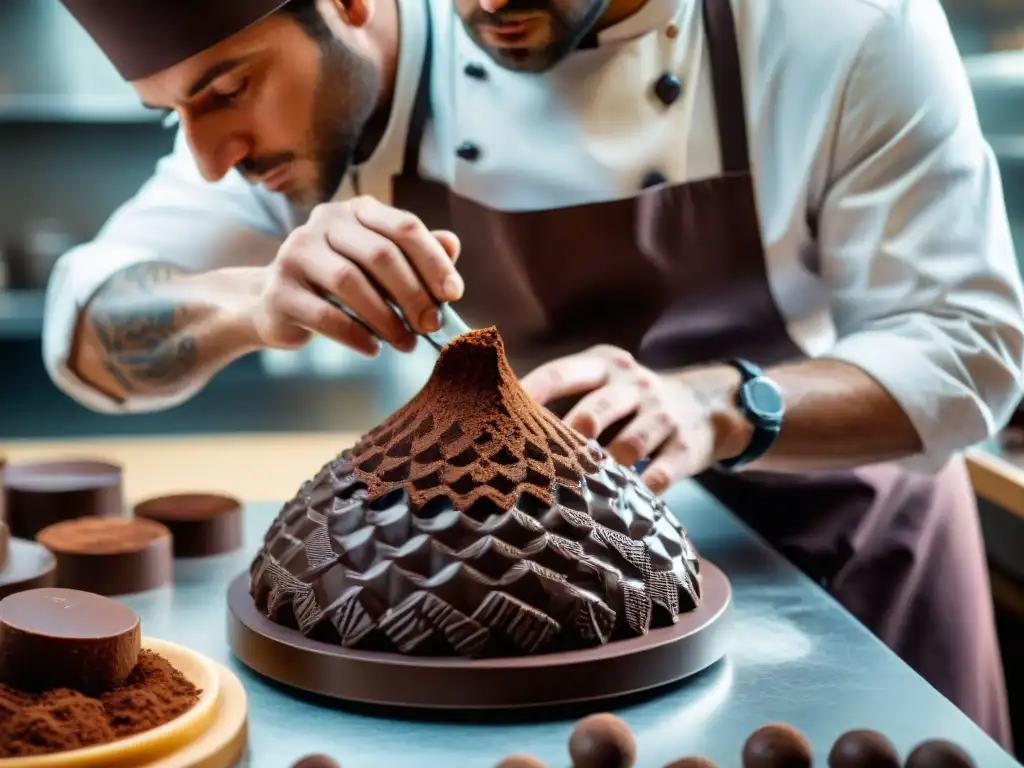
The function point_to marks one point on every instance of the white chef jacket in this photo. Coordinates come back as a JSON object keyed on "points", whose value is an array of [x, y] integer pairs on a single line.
{"points": [[880, 202]]}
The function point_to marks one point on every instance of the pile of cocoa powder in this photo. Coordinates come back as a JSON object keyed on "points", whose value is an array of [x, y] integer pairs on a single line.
{"points": [[62, 719]]}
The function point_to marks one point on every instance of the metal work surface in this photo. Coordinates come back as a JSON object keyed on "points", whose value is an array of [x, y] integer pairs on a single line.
{"points": [[794, 656]]}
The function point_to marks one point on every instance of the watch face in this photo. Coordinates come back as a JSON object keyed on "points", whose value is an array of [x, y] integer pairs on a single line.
{"points": [[765, 399]]}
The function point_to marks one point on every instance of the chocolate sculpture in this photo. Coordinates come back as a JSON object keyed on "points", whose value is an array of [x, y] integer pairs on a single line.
{"points": [[475, 523]]}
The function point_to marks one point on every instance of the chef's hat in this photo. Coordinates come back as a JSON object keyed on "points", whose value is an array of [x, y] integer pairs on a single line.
{"points": [[143, 37]]}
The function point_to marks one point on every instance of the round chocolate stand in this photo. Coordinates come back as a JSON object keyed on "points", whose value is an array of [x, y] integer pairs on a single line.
{"points": [[42, 493], [29, 566], [620, 668], [201, 524]]}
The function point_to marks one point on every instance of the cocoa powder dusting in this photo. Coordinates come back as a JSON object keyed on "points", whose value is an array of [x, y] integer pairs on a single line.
{"points": [[62, 719]]}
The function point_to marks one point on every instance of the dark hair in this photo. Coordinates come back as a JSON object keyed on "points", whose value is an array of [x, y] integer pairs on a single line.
{"points": [[307, 16]]}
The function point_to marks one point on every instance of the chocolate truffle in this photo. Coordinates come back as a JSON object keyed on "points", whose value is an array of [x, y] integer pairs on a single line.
{"points": [[63, 638], [316, 761], [473, 522], [42, 493], [776, 746], [602, 741], [110, 555], [201, 524], [691, 762], [520, 761], [863, 749], [938, 753]]}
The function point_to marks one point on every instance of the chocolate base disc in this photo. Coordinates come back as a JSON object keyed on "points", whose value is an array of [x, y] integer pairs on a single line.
{"points": [[42, 493], [201, 524], [619, 668], [29, 566], [110, 555]]}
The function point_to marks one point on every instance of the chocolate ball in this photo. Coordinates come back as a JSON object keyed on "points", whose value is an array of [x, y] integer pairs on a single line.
{"points": [[316, 761], [939, 753], [691, 762], [602, 741], [863, 749], [776, 746], [520, 761]]}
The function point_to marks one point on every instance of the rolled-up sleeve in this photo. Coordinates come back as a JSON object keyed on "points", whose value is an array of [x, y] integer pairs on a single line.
{"points": [[914, 239], [176, 217]]}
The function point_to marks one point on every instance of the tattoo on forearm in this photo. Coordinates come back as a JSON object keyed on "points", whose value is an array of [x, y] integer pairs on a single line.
{"points": [[144, 331]]}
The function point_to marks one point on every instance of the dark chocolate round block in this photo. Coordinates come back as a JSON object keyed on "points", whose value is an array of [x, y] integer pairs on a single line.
{"points": [[45, 492], [110, 555], [201, 524], [65, 638], [520, 761], [4, 540], [316, 761], [602, 741], [863, 749], [938, 753], [623, 667], [29, 565], [691, 762], [776, 746]]}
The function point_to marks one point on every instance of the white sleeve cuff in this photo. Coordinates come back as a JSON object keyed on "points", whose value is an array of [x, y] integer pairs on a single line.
{"points": [[947, 413], [76, 277]]}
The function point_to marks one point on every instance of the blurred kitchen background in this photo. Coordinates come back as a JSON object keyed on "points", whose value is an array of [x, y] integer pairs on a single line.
{"points": [[74, 144]]}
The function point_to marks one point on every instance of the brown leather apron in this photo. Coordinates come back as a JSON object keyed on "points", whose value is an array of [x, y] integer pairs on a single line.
{"points": [[677, 276]]}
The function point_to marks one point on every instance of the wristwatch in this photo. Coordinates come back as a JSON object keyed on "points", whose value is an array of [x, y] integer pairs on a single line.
{"points": [[760, 400]]}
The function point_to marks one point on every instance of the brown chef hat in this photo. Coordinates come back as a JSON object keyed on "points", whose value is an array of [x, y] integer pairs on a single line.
{"points": [[143, 37]]}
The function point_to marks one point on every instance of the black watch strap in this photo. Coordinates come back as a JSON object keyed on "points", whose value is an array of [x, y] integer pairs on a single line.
{"points": [[766, 425]]}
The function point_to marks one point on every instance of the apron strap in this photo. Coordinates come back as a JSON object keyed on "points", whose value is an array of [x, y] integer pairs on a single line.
{"points": [[420, 108], [727, 83]]}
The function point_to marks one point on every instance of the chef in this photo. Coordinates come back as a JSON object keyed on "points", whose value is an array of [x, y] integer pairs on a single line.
{"points": [[762, 239]]}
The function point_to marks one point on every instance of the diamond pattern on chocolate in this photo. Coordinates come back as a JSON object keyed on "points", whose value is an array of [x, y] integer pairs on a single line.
{"points": [[475, 523]]}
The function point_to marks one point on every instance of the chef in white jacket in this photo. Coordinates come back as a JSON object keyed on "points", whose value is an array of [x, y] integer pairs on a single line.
{"points": [[766, 235]]}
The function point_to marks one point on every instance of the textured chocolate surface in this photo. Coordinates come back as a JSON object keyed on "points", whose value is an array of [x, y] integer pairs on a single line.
{"points": [[201, 524], [110, 555], [64, 638], [473, 522], [42, 493]]}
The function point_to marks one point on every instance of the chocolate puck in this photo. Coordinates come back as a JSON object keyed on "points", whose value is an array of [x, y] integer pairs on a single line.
{"points": [[63, 638], [520, 761], [863, 749], [602, 741], [316, 761], [938, 753], [201, 524], [776, 746], [42, 493], [4, 544], [28, 566], [110, 555]]}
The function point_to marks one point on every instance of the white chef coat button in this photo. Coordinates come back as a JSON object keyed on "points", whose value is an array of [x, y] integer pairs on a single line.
{"points": [[668, 88], [652, 179], [475, 70], [468, 151]]}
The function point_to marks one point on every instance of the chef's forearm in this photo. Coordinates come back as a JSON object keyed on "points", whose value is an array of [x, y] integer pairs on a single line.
{"points": [[837, 416], [154, 329]]}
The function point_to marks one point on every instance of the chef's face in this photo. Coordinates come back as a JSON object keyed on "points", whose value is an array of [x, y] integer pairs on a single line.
{"points": [[529, 35], [284, 102]]}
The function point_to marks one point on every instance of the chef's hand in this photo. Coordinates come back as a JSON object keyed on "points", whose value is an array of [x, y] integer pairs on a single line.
{"points": [[354, 251], [673, 422]]}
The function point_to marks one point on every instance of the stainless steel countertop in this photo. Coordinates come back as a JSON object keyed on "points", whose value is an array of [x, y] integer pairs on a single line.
{"points": [[794, 656]]}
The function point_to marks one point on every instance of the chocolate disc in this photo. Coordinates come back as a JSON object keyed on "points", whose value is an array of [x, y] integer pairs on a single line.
{"points": [[110, 555], [63, 638], [4, 539], [43, 493], [28, 566], [201, 524]]}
